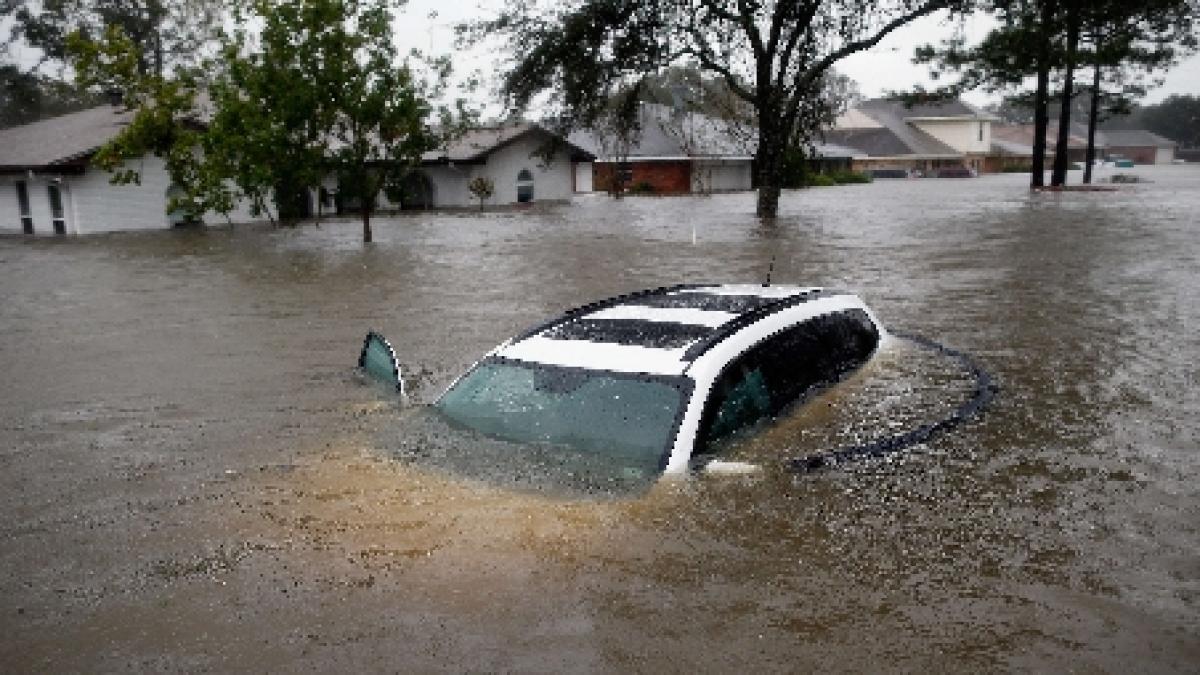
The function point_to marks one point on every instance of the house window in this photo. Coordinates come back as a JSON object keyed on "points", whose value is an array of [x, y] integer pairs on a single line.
{"points": [[625, 173], [981, 132], [524, 186], [23, 203], [56, 209]]}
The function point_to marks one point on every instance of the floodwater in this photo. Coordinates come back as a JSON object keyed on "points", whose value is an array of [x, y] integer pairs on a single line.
{"points": [[192, 477]]}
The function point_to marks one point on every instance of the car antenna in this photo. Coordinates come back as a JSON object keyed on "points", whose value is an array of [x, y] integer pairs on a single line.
{"points": [[770, 268]]}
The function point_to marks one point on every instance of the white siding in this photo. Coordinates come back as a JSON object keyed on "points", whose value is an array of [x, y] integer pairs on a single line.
{"points": [[39, 203], [721, 176], [10, 212], [100, 206], [551, 181], [92, 204], [583, 177], [962, 135]]}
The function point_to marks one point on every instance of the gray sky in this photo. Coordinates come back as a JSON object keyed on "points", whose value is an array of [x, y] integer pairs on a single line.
{"points": [[428, 25], [887, 67]]}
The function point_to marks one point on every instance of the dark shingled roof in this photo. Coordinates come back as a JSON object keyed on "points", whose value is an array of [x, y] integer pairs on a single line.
{"points": [[1137, 138], [894, 136], [880, 142], [955, 108], [666, 134], [475, 144], [60, 140]]}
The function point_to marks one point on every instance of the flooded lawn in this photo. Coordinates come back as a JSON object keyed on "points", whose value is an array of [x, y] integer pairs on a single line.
{"points": [[192, 478]]}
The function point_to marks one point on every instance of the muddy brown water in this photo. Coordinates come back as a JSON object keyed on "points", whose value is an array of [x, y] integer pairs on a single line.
{"points": [[191, 478]]}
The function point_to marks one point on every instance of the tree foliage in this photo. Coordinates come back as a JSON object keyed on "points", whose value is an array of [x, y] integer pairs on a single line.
{"points": [[162, 36], [1176, 118], [587, 60], [27, 97], [1122, 44], [165, 121], [296, 92], [482, 188], [166, 33], [317, 91]]}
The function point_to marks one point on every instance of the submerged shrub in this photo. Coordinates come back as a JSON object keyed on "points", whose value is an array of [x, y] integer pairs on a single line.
{"points": [[846, 176]]}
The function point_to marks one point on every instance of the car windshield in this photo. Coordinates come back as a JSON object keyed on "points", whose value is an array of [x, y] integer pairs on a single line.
{"points": [[629, 418]]}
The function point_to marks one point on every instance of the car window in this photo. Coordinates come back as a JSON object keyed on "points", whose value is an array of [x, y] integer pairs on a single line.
{"points": [[630, 418], [742, 398], [782, 369], [378, 361]]}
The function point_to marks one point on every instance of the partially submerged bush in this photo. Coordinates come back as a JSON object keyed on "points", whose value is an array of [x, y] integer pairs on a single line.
{"points": [[847, 176]]}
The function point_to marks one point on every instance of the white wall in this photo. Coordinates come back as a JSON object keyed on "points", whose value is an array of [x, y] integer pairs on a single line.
{"points": [[962, 135], [92, 204], [583, 177], [37, 188], [721, 175], [39, 203], [551, 181]]}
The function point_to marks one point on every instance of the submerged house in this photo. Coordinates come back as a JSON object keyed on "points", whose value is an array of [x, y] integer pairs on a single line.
{"points": [[525, 162], [675, 152], [48, 184], [1139, 145], [947, 137], [685, 152]]}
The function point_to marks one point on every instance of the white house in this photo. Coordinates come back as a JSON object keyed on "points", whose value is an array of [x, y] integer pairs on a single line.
{"points": [[49, 186], [525, 162]]}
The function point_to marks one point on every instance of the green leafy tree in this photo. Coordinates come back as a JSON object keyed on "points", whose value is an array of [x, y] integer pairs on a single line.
{"points": [[1177, 117], [483, 188], [164, 123], [27, 97], [574, 56], [1036, 38], [165, 33], [318, 91]]}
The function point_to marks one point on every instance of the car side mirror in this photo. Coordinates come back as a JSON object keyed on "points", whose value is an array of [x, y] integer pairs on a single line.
{"points": [[378, 361]]}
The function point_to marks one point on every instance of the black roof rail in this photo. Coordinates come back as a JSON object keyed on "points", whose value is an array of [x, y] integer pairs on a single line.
{"points": [[728, 328], [598, 305]]}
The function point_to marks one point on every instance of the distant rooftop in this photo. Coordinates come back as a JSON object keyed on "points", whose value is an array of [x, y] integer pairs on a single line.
{"points": [[667, 134], [880, 128], [475, 144], [1137, 138]]}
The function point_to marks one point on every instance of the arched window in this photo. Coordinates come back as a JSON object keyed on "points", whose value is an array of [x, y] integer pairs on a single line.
{"points": [[524, 186]]}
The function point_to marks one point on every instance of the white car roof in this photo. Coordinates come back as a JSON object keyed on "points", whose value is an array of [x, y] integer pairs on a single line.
{"points": [[662, 331]]}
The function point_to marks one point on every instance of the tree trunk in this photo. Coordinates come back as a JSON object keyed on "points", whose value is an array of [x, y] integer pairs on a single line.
{"points": [[1041, 114], [1093, 120], [768, 168], [366, 218], [1061, 161], [1041, 120]]}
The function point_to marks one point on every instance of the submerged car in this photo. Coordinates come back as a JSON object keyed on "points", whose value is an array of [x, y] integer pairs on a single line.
{"points": [[654, 381]]}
